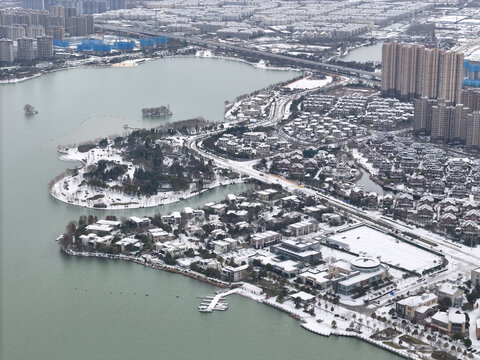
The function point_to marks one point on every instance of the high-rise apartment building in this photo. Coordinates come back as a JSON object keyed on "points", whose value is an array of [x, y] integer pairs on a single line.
{"points": [[422, 118], [25, 49], [45, 47], [471, 99], [6, 51], [473, 131], [12, 32], [444, 122], [35, 31], [411, 71], [33, 4]]}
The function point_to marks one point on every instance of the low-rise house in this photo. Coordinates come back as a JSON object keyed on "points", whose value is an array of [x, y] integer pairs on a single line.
{"points": [[451, 292], [449, 323], [171, 248], [129, 244], [475, 276], [113, 223], [303, 227], [140, 222], [225, 245], [235, 273], [158, 234], [267, 238], [173, 219], [304, 298], [406, 308], [99, 228]]}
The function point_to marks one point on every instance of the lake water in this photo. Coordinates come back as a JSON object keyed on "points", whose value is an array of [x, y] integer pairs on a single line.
{"points": [[42, 315], [372, 53]]}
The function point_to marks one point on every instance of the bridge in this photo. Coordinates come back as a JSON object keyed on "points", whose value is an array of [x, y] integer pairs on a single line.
{"points": [[136, 31]]}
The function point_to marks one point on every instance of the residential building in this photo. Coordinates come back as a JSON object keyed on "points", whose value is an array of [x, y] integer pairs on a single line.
{"points": [[25, 49], [411, 71], [451, 292], [449, 323], [267, 238], [45, 47], [407, 308], [235, 273], [6, 51], [475, 276], [303, 227]]}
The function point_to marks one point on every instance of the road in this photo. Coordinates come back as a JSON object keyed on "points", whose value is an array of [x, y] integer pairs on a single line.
{"points": [[242, 49]]}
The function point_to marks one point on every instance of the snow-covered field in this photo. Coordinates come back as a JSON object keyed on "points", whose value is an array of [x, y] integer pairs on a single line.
{"points": [[307, 83], [391, 251]]}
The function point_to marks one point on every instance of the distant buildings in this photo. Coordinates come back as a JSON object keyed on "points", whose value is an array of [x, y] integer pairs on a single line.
{"points": [[6, 51], [25, 49], [412, 71], [445, 123], [45, 47]]}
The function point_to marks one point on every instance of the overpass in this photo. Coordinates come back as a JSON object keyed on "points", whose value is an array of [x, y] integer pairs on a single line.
{"points": [[136, 31]]}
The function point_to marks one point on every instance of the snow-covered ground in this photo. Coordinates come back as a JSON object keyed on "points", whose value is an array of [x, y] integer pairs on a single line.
{"points": [[72, 189], [390, 250], [308, 83]]}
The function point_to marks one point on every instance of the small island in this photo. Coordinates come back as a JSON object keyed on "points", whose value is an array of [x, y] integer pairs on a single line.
{"points": [[160, 111], [30, 110]]}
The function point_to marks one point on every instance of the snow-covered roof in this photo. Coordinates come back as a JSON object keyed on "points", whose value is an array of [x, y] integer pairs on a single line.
{"points": [[303, 296]]}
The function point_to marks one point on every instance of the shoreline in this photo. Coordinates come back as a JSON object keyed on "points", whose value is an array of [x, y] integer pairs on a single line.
{"points": [[168, 201], [147, 59], [125, 201], [304, 322]]}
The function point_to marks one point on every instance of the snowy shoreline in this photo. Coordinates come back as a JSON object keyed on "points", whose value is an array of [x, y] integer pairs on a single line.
{"points": [[307, 321], [147, 59], [69, 188]]}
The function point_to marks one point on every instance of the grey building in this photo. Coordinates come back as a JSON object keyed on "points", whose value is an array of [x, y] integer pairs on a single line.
{"points": [[25, 49], [45, 47], [6, 51]]}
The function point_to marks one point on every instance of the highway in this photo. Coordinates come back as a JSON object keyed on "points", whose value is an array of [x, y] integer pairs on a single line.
{"points": [[263, 54]]}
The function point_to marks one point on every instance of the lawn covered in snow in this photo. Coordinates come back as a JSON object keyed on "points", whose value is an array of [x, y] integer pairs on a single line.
{"points": [[307, 83], [391, 251]]}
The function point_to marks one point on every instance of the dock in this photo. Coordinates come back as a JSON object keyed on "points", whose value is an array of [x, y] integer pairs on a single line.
{"points": [[209, 304]]}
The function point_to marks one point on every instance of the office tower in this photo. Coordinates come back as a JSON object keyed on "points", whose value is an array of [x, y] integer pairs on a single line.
{"points": [[6, 51], [25, 49], [45, 47]]}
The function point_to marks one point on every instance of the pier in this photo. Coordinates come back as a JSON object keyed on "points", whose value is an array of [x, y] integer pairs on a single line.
{"points": [[214, 303]]}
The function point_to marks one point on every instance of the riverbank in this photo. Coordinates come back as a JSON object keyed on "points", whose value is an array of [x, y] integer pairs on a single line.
{"points": [[321, 323]]}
